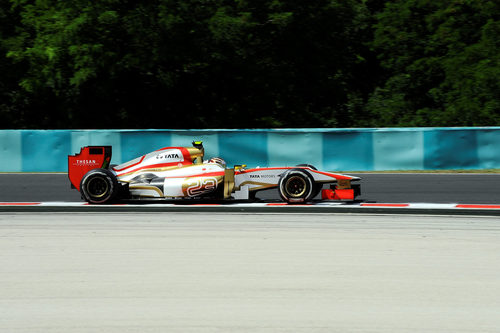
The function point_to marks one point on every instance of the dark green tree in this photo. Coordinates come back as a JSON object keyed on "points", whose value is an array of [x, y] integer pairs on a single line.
{"points": [[441, 63], [192, 63], [10, 92]]}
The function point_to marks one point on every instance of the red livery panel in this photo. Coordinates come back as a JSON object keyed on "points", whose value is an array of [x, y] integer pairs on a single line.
{"points": [[89, 158]]}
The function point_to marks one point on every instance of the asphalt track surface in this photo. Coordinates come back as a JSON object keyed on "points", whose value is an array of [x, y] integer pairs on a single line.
{"points": [[392, 188], [185, 272]]}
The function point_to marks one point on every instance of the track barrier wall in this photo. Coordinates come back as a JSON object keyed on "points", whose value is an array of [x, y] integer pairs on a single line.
{"points": [[328, 149]]}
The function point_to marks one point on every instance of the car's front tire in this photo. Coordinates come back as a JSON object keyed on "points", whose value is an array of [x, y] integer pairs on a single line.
{"points": [[317, 186], [99, 186], [296, 186]]}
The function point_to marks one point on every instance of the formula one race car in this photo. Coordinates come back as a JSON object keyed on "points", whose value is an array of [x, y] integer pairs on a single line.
{"points": [[181, 173]]}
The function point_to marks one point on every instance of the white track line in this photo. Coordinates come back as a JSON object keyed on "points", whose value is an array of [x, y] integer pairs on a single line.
{"points": [[323, 204]]}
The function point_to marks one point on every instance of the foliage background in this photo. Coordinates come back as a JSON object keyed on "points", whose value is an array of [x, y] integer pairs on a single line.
{"points": [[249, 63]]}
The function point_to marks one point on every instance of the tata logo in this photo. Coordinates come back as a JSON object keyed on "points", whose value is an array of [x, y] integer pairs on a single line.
{"points": [[170, 156]]}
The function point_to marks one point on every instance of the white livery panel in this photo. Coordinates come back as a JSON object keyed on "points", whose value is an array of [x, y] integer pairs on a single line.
{"points": [[264, 178], [188, 181]]}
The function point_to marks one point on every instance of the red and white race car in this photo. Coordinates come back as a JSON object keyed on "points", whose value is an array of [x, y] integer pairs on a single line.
{"points": [[181, 173]]}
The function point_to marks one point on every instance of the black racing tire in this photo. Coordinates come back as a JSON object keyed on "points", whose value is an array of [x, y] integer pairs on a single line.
{"points": [[317, 186], [296, 186], [99, 186]]}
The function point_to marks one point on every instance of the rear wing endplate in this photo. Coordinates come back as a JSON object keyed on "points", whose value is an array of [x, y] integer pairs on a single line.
{"points": [[91, 157]]}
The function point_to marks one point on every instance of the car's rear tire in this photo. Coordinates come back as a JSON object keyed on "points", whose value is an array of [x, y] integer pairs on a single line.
{"points": [[99, 186], [296, 186]]}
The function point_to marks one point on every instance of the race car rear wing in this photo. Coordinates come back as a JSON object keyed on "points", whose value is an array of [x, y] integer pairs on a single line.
{"points": [[91, 157]]}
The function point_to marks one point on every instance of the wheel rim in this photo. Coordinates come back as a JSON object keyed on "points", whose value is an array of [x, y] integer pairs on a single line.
{"points": [[296, 186], [97, 187]]}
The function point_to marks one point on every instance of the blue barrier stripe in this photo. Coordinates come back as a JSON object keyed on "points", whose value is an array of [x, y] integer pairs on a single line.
{"points": [[488, 148], [328, 149], [398, 150], [350, 150], [45, 150], [451, 149], [288, 148], [243, 147], [11, 151]]}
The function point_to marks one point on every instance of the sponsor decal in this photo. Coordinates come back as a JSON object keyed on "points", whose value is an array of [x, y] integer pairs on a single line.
{"points": [[263, 176], [85, 163], [163, 156], [170, 156]]}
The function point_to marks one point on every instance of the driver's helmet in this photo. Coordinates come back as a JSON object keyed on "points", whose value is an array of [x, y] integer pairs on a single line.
{"points": [[218, 160]]}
